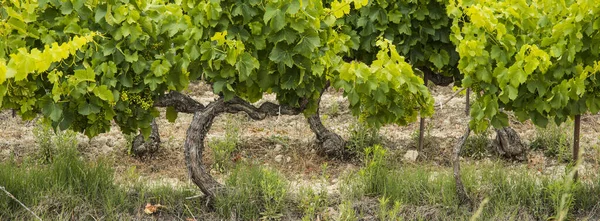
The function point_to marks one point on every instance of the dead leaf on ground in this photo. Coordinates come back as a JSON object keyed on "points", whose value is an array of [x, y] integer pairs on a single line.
{"points": [[151, 209]]}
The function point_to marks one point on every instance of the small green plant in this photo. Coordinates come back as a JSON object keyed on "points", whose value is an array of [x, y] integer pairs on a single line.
{"points": [[554, 141], [347, 212], [48, 141], [222, 148], [312, 202], [280, 139], [43, 134], [362, 136], [385, 213], [375, 173], [476, 146], [253, 192], [334, 109], [129, 142]]}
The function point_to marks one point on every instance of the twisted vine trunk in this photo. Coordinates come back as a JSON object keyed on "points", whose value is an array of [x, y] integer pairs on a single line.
{"points": [[200, 126], [194, 148], [463, 198], [329, 143], [141, 147], [332, 144]]}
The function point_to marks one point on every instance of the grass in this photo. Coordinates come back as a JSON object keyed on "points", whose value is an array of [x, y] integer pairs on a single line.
{"points": [[476, 146], [554, 140], [223, 147], [61, 185], [67, 187], [516, 192], [253, 192]]}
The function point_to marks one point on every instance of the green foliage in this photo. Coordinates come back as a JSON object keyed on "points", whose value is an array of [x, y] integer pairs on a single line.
{"points": [[419, 29], [535, 58], [476, 146], [554, 141], [362, 136], [386, 91], [253, 192], [222, 148], [142, 50]]}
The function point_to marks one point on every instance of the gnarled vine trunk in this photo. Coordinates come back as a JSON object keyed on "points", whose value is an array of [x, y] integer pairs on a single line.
{"points": [[204, 117], [194, 148], [508, 144], [141, 147], [329, 143], [200, 126]]}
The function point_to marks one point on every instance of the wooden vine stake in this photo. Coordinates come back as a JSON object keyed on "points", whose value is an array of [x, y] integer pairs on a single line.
{"points": [[576, 130], [422, 125]]}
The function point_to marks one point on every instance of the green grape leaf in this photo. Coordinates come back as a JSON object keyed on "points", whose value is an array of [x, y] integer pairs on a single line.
{"points": [[171, 114], [103, 93]]}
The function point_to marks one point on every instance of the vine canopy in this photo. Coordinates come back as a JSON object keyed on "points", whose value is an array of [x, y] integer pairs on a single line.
{"points": [[538, 59], [83, 64]]}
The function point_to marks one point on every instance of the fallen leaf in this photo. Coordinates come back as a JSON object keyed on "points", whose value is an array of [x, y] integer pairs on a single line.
{"points": [[151, 209]]}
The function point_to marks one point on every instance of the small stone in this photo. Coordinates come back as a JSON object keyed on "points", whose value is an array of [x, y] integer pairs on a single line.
{"points": [[277, 148], [288, 159], [312, 150], [278, 158], [411, 155], [334, 181]]}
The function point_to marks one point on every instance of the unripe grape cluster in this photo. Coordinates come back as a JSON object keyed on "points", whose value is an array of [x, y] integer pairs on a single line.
{"points": [[143, 100]]}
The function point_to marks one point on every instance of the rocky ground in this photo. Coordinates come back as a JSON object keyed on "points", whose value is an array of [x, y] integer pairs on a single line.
{"points": [[287, 143]]}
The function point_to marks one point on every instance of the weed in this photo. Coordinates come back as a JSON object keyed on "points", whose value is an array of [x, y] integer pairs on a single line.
{"points": [[385, 213], [71, 188], [553, 141], [312, 202], [347, 212], [515, 191], [252, 192], [279, 139], [129, 142], [43, 134], [334, 109], [361, 137], [222, 148], [476, 146]]}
